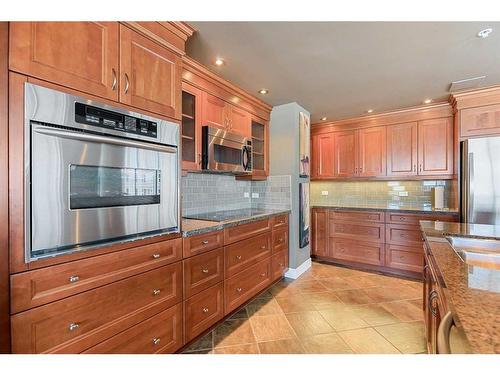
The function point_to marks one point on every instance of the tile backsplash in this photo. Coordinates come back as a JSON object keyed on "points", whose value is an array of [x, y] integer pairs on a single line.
{"points": [[394, 193], [203, 192]]}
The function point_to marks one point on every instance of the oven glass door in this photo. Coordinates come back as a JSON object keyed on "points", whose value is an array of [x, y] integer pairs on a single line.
{"points": [[86, 192]]}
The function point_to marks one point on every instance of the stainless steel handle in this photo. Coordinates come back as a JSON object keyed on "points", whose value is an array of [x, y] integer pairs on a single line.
{"points": [[280, 240], [204, 270], [127, 83], [115, 81], [73, 326], [263, 274], [443, 334], [205, 310], [238, 257], [156, 256], [360, 169], [414, 167], [282, 265], [239, 290], [470, 195], [40, 129], [204, 242], [156, 341], [156, 292], [263, 247], [355, 170], [420, 170], [74, 279]]}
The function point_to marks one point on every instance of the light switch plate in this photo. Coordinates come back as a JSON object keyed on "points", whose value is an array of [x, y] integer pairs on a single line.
{"points": [[246, 194], [403, 193], [324, 192], [255, 195]]}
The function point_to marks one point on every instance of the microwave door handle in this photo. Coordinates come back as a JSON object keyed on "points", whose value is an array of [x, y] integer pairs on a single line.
{"points": [[245, 158], [102, 139]]}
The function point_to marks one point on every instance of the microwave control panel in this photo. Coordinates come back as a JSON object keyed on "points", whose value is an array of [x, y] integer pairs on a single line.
{"points": [[86, 114]]}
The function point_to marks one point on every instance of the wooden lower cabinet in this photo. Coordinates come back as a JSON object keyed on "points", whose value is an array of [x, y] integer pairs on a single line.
{"points": [[357, 251], [161, 333], [201, 243], [279, 264], [357, 230], [319, 235], [404, 257], [280, 240], [240, 255], [244, 231], [203, 271], [405, 235]]}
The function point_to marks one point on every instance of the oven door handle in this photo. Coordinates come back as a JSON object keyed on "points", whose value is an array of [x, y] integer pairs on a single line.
{"points": [[102, 139]]}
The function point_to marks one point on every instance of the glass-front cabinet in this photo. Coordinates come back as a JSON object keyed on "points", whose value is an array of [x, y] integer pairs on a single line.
{"points": [[191, 127], [260, 152]]}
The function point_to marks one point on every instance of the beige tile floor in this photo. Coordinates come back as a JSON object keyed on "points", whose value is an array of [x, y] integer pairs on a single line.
{"points": [[328, 309]]}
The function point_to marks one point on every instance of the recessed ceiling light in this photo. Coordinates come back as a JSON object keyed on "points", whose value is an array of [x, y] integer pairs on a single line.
{"points": [[485, 33], [323, 118], [219, 61], [427, 101], [370, 111], [263, 91]]}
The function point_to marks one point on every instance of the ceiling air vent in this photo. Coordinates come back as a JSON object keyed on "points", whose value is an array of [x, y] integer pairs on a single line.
{"points": [[467, 84]]}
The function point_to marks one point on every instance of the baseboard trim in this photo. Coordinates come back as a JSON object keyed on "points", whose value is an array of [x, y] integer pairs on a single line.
{"points": [[294, 273]]}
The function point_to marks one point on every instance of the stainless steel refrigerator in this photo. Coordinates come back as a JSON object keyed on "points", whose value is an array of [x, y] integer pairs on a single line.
{"points": [[480, 181]]}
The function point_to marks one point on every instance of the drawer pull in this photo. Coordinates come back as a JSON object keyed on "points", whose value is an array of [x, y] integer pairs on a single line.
{"points": [[204, 270], [280, 240], [239, 290], [263, 247], [156, 256], [238, 257], [156, 341], [205, 310], [402, 218], [263, 274], [74, 279], [73, 326], [156, 292], [204, 242], [282, 265]]}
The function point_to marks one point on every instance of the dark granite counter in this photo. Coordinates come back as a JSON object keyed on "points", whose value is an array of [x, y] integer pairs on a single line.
{"points": [[472, 292], [191, 227], [385, 207]]}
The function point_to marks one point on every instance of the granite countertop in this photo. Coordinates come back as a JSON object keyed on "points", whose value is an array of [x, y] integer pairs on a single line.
{"points": [[386, 207], [191, 227], [472, 292]]}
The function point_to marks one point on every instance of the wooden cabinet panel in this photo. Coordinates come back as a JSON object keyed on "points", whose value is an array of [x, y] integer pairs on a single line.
{"points": [[435, 147], [279, 264], [240, 121], [240, 255], [161, 333], [241, 287], [79, 55], [203, 271], [403, 235], [405, 218], [203, 310], [357, 251], [38, 287], [79, 322], [319, 235], [370, 216], [280, 221], [215, 111], [202, 243], [362, 231], [372, 152], [191, 127], [150, 75], [241, 232], [480, 121], [280, 240], [404, 258], [324, 157], [345, 155], [402, 149]]}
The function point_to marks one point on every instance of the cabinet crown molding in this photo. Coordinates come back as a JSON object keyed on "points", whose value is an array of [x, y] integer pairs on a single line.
{"points": [[475, 98]]}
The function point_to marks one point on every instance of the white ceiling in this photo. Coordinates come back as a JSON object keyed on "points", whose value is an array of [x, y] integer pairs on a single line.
{"points": [[341, 69]]}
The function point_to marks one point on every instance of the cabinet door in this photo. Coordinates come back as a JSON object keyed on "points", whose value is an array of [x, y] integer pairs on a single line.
{"points": [[435, 147], [150, 75], [319, 232], [191, 127], [371, 152], [480, 121], [402, 149], [260, 148], [214, 111], [240, 121], [324, 155], [345, 154], [79, 55]]}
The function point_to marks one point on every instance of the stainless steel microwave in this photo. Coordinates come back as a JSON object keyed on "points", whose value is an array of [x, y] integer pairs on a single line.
{"points": [[223, 151], [95, 174]]}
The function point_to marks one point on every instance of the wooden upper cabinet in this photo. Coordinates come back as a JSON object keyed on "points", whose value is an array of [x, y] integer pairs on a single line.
{"points": [[324, 155], [435, 147], [345, 154], [79, 55], [372, 152], [150, 75], [240, 121], [215, 111], [480, 121], [402, 149]]}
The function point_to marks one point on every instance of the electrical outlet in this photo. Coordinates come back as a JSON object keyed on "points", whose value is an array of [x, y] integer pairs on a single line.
{"points": [[324, 192], [255, 195], [246, 194], [403, 193]]}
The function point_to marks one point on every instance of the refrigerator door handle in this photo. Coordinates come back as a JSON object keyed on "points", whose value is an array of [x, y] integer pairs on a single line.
{"points": [[470, 183]]}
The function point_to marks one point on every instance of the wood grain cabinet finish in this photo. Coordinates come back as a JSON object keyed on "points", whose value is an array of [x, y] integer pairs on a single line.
{"points": [[279, 264], [150, 75], [239, 288], [240, 121], [161, 333], [203, 271], [215, 111], [361, 231], [404, 257], [402, 149], [280, 221], [414, 219], [280, 240], [80, 55], [403, 235], [435, 147], [319, 243], [480, 121], [372, 152], [38, 287], [239, 256], [323, 155], [202, 243], [203, 310], [77, 323], [244, 231], [357, 251], [345, 154], [369, 216]]}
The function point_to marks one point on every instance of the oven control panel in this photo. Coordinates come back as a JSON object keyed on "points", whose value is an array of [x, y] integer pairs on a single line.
{"points": [[86, 114]]}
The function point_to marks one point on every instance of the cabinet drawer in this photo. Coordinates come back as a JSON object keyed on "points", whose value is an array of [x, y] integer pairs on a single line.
{"points": [[203, 271], [39, 287], [371, 216], [279, 264], [79, 322], [398, 218], [241, 232], [404, 258], [240, 255], [240, 288], [357, 251], [362, 231], [202, 243], [160, 334], [203, 310], [409, 235], [280, 221], [280, 240]]}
